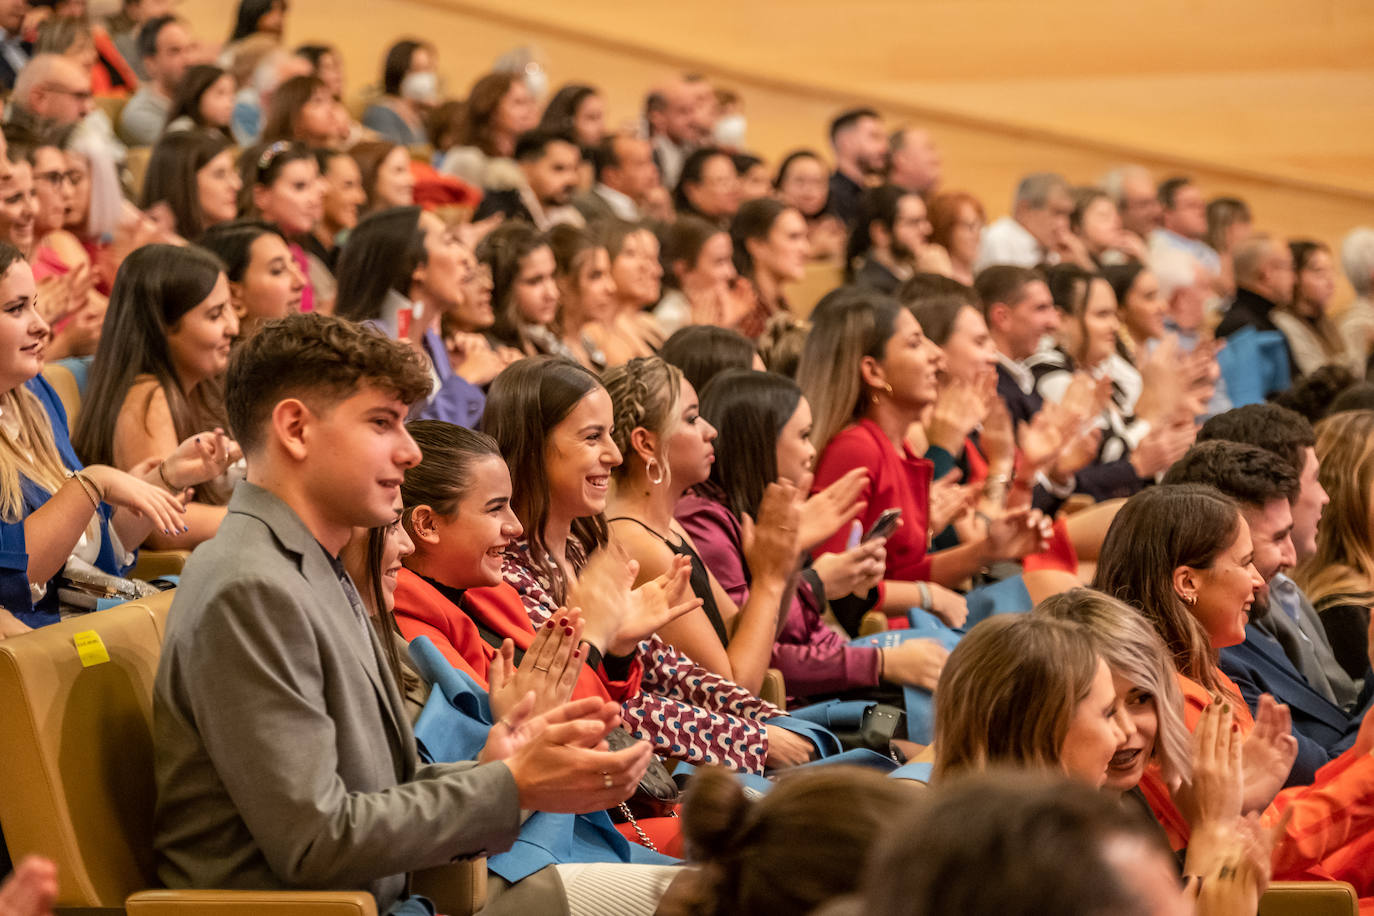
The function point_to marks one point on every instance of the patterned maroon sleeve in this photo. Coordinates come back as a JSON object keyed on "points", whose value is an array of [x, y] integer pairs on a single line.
{"points": [[685, 711]]}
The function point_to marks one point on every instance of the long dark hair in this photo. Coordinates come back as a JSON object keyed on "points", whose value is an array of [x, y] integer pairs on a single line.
{"points": [[703, 351], [370, 154], [285, 107], [156, 285], [171, 176], [504, 250], [474, 126], [186, 102], [692, 169], [526, 401], [560, 115], [753, 220], [440, 480], [232, 243], [381, 255], [1157, 531], [749, 409], [250, 11], [262, 165]]}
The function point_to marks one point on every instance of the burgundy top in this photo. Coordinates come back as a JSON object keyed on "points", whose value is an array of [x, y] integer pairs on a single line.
{"points": [[895, 479], [813, 658]]}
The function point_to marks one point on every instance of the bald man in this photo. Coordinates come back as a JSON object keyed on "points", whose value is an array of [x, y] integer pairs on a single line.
{"points": [[52, 91]]}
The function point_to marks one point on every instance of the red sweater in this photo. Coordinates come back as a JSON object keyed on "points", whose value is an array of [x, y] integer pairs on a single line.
{"points": [[421, 610], [895, 479]]}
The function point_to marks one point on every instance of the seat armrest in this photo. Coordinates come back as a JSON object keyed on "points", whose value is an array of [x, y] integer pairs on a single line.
{"points": [[251, 903], [774, 689], [458, 889], [1309, 898], [153, 564]]}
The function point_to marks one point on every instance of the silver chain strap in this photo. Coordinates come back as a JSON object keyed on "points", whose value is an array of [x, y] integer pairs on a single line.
{"points": [[639, 831]]}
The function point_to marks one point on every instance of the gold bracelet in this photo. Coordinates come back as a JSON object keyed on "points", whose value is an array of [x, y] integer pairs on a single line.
{"points": [[162, 475], [90, 489]]}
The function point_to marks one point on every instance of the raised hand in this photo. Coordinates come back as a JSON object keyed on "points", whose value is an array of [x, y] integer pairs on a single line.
{"points": [[162, 509], [1161, 447], [949, 501], [824, 512], [201, 457], [1268, 754], [772, 543], [549, 669], [473, 358], [998, 440], [559, 760], [31, 889], [959, 408], [617, 618], [1216, 791], [854, 571], [1016, 533]]}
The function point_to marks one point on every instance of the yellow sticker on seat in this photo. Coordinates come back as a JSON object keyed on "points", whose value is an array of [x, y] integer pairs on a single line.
{"points": [[91, 648]]}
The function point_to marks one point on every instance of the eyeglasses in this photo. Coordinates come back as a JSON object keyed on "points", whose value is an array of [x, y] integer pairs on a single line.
{"points": [[56, 178]]}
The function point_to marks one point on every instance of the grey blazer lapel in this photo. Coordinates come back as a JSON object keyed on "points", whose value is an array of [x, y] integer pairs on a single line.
{"points": [[291, 533]]}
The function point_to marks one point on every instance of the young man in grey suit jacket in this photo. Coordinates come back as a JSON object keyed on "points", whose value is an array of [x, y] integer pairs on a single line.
{"points": [[284, 758]]}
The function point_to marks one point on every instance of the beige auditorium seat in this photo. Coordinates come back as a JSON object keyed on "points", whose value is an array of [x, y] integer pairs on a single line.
{"points": [[78, 774]]}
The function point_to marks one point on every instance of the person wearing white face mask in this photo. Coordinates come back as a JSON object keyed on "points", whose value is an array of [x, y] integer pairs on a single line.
{"points": [[410, 88]]}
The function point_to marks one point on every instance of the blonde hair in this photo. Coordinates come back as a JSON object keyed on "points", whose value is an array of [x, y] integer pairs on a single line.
{"points": [[32, 454], [1132, 649], [1344, 561], [1008, 693]]}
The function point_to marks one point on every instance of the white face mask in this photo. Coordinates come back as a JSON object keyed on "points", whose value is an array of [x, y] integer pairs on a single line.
{"points": [[421, 86], [536, 80], [730, 130]]}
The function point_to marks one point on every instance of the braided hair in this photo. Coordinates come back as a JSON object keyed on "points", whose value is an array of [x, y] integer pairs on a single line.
{"points": [[644, 393]]}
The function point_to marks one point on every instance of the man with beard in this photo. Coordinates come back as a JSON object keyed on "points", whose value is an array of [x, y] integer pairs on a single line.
{"points": [[885, 244], [860, 145], [548, 162], [1264, 487]]}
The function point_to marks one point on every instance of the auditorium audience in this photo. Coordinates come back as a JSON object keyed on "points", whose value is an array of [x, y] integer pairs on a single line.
{"points": [[888, 238], [1312, 336], [658, 518], [164, 46], [410, 87], [859, 143], [956, 225], [563, 460], [1357, 325], [1337, 576], [626, 183], [498, 110], [708, 187], [801, 183], [638, 276], [192, 175], [771, 251], [383, 174], [546, 177], [204, 100], [1037, 230]]}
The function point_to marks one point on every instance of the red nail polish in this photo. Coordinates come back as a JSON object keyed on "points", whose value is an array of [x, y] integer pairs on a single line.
{"points": [[563, 622], [577, 653], [549, 625], [567, 631]]}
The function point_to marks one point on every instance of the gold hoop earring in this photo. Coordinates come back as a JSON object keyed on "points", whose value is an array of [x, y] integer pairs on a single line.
{"points": [[887, 390], [650, 468]]}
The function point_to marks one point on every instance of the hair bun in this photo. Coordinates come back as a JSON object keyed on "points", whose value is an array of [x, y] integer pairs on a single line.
{"points": [[714, 814]]}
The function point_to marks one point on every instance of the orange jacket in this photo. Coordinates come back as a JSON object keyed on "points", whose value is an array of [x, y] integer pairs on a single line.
{"points": [[1331, 835], [421, 610]]}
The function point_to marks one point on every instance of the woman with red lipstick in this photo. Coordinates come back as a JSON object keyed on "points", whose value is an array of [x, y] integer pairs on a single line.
{"points": [[869, 373], [553, 421], [52, 510], [1180, 554], [157, 379]]}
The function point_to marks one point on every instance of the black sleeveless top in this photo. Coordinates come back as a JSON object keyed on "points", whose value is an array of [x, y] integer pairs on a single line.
{"points": [[700, 579]]}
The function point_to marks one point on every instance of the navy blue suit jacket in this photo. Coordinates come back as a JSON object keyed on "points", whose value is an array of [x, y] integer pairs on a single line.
{"points": [[1323, 730]]}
